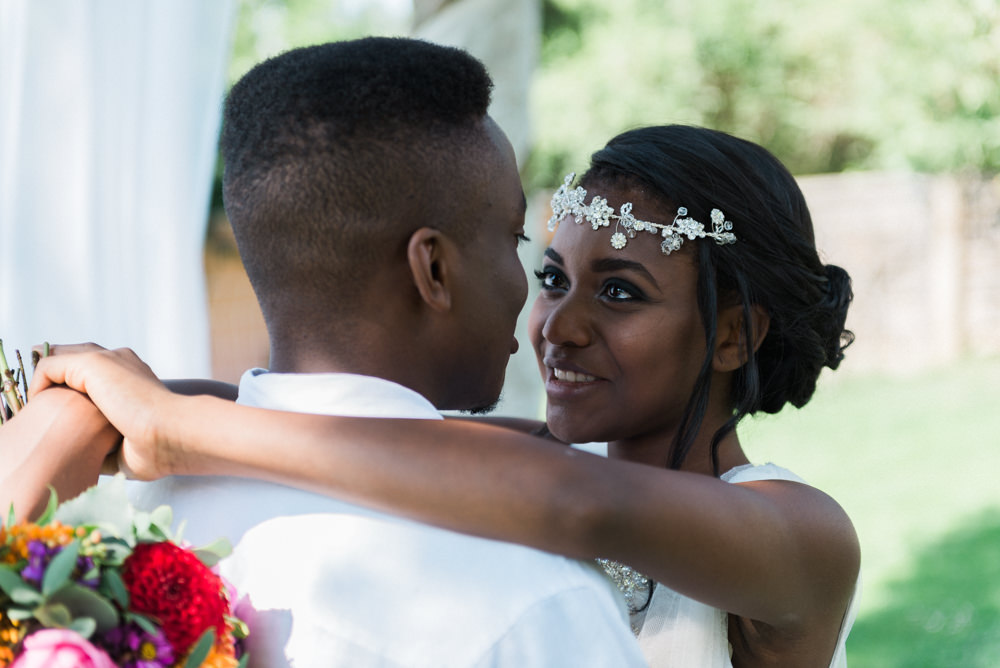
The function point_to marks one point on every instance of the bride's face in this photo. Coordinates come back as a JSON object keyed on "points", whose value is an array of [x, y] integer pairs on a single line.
{"points": [[618, 333]]}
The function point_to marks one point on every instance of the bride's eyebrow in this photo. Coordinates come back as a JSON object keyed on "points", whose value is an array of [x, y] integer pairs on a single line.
{"points": [[607, 265], [554, 256]]}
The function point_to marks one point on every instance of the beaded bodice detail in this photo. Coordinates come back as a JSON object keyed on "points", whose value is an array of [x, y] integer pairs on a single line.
{"points": [[636, 588]]}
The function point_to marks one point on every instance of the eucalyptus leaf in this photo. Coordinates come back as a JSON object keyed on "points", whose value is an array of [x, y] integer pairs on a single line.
{"points": [[27, 596], [116, 551], [163, 517], [60, 568], [105, 504], [140, 524], [84, 602], [11, 517], [85, 626], [144, 622], [111, 582], [12, 585], [201, 649], [19, 614], [212, 553], [243, 661], [53, 615]]}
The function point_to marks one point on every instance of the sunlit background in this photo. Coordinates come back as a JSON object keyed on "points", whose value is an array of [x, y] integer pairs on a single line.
{"points": [[888, 111]]}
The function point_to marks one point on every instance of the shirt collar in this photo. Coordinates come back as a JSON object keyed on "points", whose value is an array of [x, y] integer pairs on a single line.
{"points": [[333, 394]]}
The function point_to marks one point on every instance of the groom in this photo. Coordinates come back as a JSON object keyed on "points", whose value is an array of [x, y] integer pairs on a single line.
{"points": [[377, 209]]}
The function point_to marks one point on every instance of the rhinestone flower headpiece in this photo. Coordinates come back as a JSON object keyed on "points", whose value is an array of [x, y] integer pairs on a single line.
{"points": [[570, 202]]}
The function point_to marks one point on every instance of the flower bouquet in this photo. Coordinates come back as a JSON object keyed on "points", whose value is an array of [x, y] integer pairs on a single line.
{"points": [[96, 583]]}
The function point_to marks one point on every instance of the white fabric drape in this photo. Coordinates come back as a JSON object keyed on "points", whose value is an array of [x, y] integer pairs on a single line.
{"points": [[109, 117], [506, 36]]}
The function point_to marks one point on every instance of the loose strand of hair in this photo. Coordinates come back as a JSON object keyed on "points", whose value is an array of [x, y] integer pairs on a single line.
{"points": [[694, 412]]}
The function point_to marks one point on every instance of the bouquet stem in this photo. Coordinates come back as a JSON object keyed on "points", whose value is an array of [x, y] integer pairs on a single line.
{"points": [[9, 390]]}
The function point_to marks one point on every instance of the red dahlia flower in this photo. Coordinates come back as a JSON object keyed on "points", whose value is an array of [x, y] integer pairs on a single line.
{"points": [[170, 583]]}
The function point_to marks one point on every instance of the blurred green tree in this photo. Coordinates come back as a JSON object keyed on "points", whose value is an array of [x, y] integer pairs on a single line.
{"points": [[826, 86]]}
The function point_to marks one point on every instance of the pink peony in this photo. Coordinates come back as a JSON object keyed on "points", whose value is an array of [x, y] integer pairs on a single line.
{"points": [[60, 648]]}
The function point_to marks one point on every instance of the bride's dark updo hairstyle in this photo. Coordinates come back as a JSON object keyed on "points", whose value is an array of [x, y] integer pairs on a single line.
{"points": [[773, 264]]}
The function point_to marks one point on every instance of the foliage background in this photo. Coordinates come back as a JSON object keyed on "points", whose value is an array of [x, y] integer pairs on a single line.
{"points": [[826, 86]]}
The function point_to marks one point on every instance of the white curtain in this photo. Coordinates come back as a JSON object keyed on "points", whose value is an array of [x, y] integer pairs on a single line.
{"points": [[506, 36], [109, 117]]}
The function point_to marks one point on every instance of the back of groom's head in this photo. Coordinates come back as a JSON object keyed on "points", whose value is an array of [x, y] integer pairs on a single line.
{"points": [[332, 151], [371, 197]]}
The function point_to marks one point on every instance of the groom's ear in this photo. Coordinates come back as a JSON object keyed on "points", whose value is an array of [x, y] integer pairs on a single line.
{"points": [[430, 255]]}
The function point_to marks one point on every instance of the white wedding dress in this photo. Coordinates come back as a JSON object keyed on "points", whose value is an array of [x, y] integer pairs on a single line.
{"points": [[679, 632]]}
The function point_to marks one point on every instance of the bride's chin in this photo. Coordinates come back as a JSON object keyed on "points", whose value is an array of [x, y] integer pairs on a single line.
{"points": [[571, 431]]}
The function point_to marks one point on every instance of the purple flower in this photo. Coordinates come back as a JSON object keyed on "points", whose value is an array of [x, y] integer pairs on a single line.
{"points": [[84, 565], [38, 558], [132, 647]]}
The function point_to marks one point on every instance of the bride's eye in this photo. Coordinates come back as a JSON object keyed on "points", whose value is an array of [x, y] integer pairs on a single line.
{"points": [[551, 279], [619, 291]]}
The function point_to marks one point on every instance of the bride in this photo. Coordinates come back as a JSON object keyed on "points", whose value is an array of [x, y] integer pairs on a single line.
{"points": [[681, 291]]}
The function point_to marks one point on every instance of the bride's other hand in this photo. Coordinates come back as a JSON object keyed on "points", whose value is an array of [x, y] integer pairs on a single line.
{"points": [[59, 439], [126, 391]]}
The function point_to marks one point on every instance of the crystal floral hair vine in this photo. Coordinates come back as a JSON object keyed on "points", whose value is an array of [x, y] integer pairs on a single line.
{"points": [[570, 202]]}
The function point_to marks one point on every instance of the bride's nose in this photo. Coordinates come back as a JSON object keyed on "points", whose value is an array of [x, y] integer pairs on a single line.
{"points": [[567, 323]]}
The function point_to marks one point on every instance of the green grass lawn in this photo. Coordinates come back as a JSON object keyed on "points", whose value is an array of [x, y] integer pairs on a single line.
{"points": [[912, 461]]}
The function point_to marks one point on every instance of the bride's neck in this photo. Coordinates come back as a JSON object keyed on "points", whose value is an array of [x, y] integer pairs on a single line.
{"points": [[655, 450]]}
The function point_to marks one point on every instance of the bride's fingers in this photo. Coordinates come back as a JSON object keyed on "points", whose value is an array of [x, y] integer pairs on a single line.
{"points": [[74, 364], [46, 349]]}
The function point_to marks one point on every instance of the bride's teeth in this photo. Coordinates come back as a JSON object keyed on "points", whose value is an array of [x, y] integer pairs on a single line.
{"points": [[572, 376]]}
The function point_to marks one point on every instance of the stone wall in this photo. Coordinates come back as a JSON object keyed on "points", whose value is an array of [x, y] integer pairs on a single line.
{"points": [[923, 252]]}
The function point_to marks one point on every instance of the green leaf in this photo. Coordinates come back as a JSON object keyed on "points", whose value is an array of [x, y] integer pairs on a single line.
{"points": [[111, 582], [144, 622], [85, 626], [54, 615], [105, 504], [50, 509], [140, 524], [212, 553], [18, 590], [84, 602], [243, 660], [201, 649], [19, 614], [240, 628], [162, 517], [60, 568], [10, 516], [27, 596], [116, 551]]}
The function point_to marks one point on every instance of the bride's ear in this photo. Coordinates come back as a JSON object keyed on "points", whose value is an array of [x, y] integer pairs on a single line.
{"points": [[731, 348], [428, 254]]}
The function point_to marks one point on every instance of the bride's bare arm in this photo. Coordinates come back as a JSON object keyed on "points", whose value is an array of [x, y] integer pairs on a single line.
{"points": [[59, 439], [774, 551]]}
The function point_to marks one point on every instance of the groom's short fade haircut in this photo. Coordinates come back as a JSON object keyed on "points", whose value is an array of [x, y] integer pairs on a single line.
{"points": [[333, 154]]}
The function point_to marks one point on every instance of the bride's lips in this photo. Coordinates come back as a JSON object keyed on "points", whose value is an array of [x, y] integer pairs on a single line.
{"points": [[564, 378], [568, 376]]}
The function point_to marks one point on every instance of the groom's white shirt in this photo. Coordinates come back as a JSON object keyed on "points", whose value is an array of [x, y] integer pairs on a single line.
{"points": [[327, 583]]}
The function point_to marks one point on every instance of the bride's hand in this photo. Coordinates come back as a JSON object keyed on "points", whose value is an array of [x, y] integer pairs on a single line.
{"points": [[125, 389]]}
